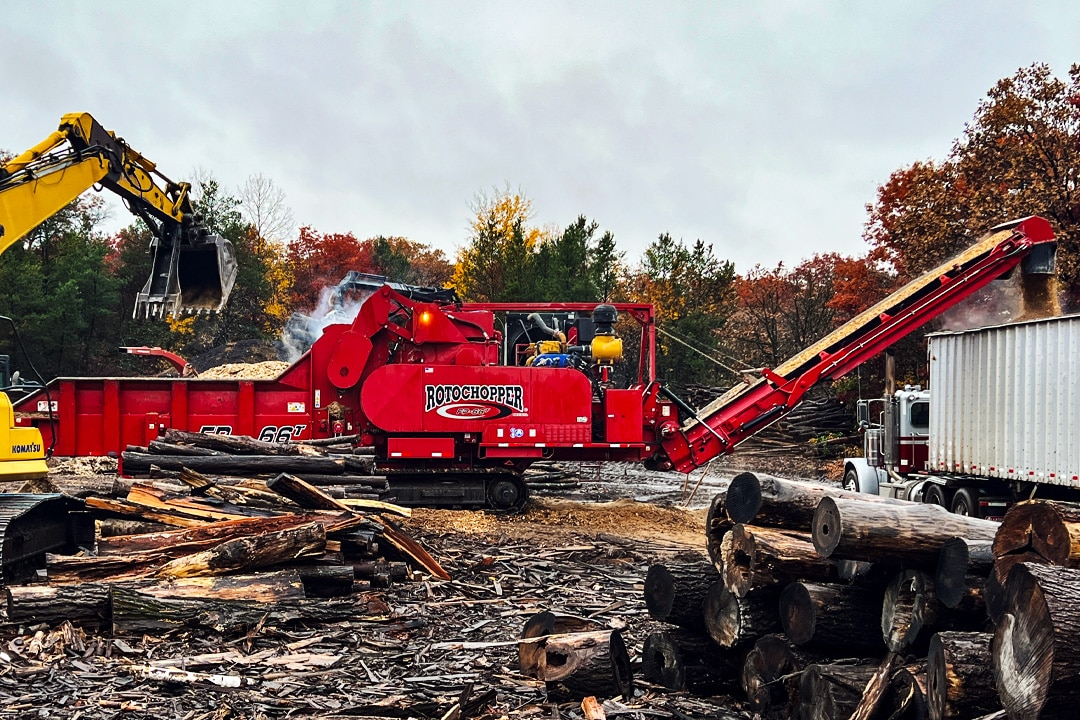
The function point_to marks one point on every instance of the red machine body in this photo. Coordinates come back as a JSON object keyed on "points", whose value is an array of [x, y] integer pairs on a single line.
{"points": [[436, 387]]}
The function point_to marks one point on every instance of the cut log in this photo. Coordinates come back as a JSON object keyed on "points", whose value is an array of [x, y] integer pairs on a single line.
{"points": [[86, 604], [876, 689], [1047, 528], [907, 694], [962, 569], [911, 613], [304, 494], [541, 625], [157, 447], [1035, 652], [766, 674], [755, 558], [766, 501], [680, 659], [959, 676], [908, 533], [994, 591], [235, 444], [832, 692], [265, 587], [577, 665], [175, 543], [323, 581], [375, 482], [716, 526], [675, 592], [734, 621], [833, 617], [409, 549], [135, 612], [246, 465], [250, 552]]}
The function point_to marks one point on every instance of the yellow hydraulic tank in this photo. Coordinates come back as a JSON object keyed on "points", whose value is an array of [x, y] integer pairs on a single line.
{"points": [[606, 349]]}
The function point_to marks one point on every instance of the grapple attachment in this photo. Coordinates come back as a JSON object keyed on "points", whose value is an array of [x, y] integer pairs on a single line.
{"points": [[189, 276]]}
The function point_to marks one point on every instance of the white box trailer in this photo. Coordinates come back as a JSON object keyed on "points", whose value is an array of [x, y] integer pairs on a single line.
{"points": [[1005, 402]]}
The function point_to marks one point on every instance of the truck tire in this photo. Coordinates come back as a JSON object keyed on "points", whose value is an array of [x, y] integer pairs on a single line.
{"points": [[935, 495], [851, 480], [966, 502]]}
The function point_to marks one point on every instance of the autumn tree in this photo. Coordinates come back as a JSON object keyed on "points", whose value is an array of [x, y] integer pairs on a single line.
{"points": [[1019, 156], [319, 260], [781, 310], [693, 292], [496, 263]]}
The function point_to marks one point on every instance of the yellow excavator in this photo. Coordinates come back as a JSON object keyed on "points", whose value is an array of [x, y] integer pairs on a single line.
{"points": [[193, 269]]}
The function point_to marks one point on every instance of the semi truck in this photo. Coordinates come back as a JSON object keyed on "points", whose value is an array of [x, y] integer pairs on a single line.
{"points": [[1000, 422]]}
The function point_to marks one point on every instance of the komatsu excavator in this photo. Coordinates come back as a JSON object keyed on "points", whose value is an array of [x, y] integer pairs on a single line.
{"points": [[193, 270]]}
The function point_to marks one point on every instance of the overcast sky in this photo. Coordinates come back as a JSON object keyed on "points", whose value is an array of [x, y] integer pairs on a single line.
{"points": [[763, 128]]}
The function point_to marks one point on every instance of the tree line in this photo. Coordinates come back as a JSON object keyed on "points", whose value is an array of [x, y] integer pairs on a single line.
{"points": [[70, 287]]}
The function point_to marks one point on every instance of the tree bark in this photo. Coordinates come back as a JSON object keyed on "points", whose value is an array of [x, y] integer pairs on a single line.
{"points": [[541, 625], [959, 677], [577, 665], [681, 659], [733, 621], [1035, 652], [175, 543], [911, 613], [755, 558], [961, 574], [876, 689], [908, 533], [324, 581], [769, 662], [86, 604], [716, 526], [907, 694], [994, 590], [135, 612], [247, 553], [832, 692], [766, 501], [1047, 528], [675, 592], [235, 444], [375, 482], [158, 447], [304, 494], [244, 465], [833, 617]]}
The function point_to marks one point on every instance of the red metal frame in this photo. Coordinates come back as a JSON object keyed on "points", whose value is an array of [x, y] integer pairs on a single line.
{"points": [[422, 382]]}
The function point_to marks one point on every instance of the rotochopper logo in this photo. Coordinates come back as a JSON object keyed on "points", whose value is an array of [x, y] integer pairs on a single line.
{"points": [[474, 402]]}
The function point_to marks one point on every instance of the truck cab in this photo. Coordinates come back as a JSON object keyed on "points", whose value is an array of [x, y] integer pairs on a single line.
{"points": [[895, 445]]}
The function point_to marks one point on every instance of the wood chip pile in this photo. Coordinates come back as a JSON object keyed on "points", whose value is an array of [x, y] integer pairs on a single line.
{"points": [[820, 603]]}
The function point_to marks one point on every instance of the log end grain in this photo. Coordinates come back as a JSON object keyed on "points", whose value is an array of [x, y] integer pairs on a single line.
{"points": [[827, 526], [798, 614], [743, 498], [659, 592]]}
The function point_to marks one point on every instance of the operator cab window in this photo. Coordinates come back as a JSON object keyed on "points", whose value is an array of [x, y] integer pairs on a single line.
{"points": [[919, 415]]}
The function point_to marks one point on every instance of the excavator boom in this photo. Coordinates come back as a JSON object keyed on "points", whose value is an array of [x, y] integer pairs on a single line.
{"points": [[193, 270]]}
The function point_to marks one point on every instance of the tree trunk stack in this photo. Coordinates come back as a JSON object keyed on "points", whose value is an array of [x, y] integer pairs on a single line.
{"points": [[233, 554], [986, 612]]}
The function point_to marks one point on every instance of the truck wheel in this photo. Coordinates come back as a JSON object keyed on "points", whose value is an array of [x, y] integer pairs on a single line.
{"points": [[851, 480], [966, 502], [934, 495]]}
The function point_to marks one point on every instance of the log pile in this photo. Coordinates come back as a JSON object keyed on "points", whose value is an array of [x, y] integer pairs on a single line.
{"points": [[898, 610], [333, 463], [225, 557]]}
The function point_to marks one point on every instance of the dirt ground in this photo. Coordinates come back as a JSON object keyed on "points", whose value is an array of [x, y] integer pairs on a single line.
{"points": [[582, 549]]}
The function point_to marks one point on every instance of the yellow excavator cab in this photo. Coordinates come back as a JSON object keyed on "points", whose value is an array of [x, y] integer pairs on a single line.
{"points": [[22, 454]]}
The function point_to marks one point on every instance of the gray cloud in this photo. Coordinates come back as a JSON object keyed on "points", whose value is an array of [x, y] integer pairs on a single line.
{"points": [[761, 128]]}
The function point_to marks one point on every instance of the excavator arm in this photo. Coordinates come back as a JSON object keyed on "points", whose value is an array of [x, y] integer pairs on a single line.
{"points": [[193, 270], [746, 409]]}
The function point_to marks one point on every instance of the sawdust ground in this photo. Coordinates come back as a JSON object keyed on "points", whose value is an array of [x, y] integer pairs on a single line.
{"points": [[551, 520]]}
